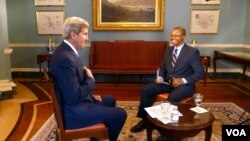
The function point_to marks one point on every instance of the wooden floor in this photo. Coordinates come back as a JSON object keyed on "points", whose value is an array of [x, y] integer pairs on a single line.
{"points": [[216, 91]]}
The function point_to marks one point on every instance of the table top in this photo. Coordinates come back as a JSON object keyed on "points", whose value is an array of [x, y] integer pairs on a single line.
{"points": [[245, 55], [188, 121]]}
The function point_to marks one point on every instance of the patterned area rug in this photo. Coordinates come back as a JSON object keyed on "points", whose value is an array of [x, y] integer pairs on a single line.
{"points": [[224, 113]]}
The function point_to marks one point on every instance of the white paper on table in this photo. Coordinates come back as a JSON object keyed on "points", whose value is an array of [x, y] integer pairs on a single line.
{"points": [[165, 119], [156, 112], [199, 110]]}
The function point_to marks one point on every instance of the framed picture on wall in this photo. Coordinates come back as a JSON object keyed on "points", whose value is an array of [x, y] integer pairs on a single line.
{"points": [[204, 21], [206, 2], [49, 2], [49, 22], [128, 15]]}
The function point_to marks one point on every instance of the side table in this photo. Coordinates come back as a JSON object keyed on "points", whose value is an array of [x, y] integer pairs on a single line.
{"points": [[187, 126], [42, 58]]}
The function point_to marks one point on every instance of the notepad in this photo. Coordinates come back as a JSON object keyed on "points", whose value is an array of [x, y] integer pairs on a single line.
{"points": [[158, 75], [199, 110]]}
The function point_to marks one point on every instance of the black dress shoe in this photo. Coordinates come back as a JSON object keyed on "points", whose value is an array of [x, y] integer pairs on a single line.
{"points": [[160, 138], [139, 127]]}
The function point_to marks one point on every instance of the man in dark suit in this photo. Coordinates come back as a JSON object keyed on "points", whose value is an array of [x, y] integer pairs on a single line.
{"points": [[179, 71], [74, 83]]}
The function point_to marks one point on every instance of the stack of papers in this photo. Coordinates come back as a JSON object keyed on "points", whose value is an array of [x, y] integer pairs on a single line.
{"points": [[158, 76], [157, 112], [199, 110]]}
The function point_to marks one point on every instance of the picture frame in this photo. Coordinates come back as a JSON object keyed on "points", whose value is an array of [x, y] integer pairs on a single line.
{"points": [[50, 22], [128, 15], [204, 21], [205, 2], [49, 2]]}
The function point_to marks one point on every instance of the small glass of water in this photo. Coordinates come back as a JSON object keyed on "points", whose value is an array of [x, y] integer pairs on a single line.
{"points": [[198, 97], [165, 108]]}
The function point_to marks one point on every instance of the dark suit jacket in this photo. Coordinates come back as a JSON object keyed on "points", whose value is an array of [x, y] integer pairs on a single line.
{"points": [[188, 65], [73, 89]]}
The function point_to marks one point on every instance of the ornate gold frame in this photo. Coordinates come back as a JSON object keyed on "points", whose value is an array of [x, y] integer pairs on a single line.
{"points": [[158, 24]]}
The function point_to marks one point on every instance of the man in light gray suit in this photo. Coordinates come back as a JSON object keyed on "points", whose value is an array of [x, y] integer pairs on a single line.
{"points": [[180, 69]]}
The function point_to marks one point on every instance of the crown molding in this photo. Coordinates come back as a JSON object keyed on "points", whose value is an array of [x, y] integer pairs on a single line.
{"points": [[38, 45], [27, 45], [24, 69], [246, 46], [34, 45]]}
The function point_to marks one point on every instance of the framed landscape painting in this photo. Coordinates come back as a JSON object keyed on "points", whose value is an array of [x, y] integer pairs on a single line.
{"points": [[128, 14], [204, 21]]}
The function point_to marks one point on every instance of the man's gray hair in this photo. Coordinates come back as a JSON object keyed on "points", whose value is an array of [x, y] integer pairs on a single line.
{"points": [[73, 24]]}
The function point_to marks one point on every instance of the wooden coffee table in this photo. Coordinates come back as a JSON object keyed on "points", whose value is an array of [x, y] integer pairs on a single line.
{"points": [[187, 126]]}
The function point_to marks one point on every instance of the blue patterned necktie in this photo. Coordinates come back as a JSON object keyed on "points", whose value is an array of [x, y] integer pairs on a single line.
{"points": [[174, 58]]}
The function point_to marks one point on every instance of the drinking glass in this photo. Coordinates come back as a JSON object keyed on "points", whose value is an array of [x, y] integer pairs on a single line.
{"points": [[165, 108], [198, 97]]}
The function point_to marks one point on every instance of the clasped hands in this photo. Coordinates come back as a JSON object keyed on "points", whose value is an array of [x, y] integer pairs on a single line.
{"points": [[175, 81], [97, 98]]}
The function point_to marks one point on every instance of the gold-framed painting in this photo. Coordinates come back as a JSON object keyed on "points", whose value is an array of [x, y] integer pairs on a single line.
{"points": [[204, 21], [205, 2], [49, 2], [128, 15], [50, 22]]}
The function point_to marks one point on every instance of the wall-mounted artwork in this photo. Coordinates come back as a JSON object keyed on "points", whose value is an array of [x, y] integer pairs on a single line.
{"points": [[204, 21], [128, 14], [206, 2], [49, 22], [49, 2]]}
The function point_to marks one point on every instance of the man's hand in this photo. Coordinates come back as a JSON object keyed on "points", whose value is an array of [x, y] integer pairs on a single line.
{"points": [[158, 80], [177, 82], [97, 98], [88, 72]]}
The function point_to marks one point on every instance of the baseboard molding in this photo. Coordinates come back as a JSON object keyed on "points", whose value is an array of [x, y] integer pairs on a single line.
{"points": [[239, 70], [210, 70], [102, 78], [25, 74]]}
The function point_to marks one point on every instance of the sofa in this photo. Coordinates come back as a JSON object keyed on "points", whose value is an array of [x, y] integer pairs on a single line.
{"points": [[126, 56]]}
